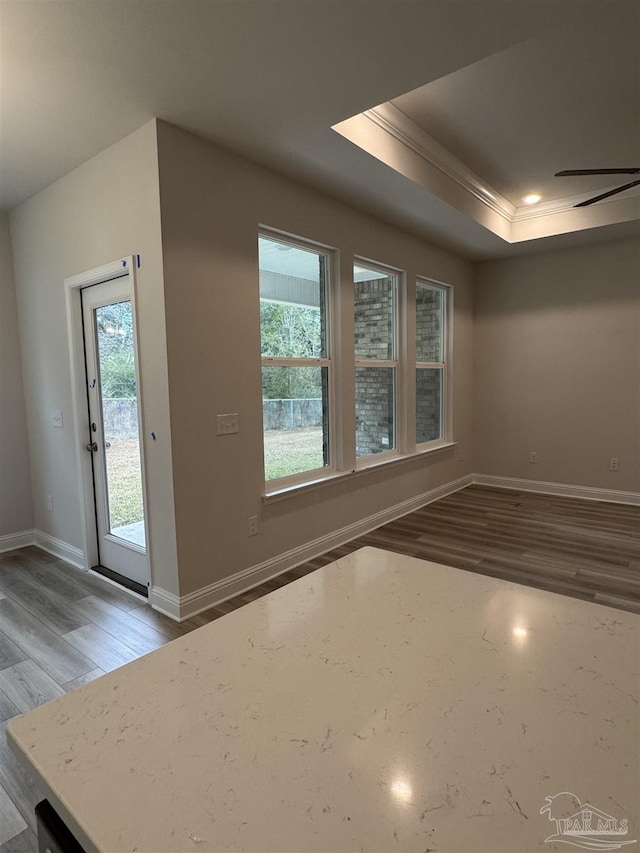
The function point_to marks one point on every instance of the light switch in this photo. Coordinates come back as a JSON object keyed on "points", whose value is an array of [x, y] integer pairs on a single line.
{"points": [[56, 418], [228, 424]]}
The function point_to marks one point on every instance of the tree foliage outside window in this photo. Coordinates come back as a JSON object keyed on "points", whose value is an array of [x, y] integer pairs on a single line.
{"points": [[115, 341], [290, 331]]}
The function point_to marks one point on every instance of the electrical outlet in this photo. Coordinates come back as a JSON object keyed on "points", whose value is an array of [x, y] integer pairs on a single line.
{"points": [[49, 503], [56, 419], [614, 464], [228, 424], [253, 525], [533, 457]]}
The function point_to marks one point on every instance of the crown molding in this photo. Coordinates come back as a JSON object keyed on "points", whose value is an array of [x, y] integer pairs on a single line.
{"points": [[546, 208], [564, 205], [394, 122], [403, 130]]}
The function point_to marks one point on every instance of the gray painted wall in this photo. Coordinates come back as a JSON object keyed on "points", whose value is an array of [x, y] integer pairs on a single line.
{"points": [[16, 511], [557, 366]]}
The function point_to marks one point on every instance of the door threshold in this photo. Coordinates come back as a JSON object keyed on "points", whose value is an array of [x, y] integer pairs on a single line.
{"points": [[120, 580]]}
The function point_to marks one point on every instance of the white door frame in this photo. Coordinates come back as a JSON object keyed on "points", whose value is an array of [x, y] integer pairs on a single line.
{"points": [[73, 286]]}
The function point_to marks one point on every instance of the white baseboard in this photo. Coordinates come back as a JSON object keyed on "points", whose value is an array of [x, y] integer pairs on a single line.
{"points": [[48, 543], [58, 548], [588, 493], [167, 603], [185, 606], [16, 540]]}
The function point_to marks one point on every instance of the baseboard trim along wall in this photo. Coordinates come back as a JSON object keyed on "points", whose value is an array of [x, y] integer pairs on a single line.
{"points": [[562, 490], [167, 603], [183, 607], [16, 540], [48, 543], [58, 548]]}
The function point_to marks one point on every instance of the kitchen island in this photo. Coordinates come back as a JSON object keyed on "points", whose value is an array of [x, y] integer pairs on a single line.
{"points": [[381, 703]]}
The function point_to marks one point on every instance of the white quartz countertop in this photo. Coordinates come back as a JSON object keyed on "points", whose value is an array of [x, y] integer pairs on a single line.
{"points": [[382, 703]]}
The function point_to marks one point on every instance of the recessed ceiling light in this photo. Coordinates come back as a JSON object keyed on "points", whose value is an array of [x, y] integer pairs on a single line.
{"points": [[532, 198]]}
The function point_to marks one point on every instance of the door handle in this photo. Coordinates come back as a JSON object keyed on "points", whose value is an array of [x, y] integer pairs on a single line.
{"points": [[92, 447]]}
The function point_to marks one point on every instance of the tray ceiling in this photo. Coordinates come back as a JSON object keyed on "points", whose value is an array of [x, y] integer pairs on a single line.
{"points": [[503, 92]]}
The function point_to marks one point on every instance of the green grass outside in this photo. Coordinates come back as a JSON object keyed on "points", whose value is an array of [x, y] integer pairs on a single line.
{"points": [[290, 451], [125, 482]]}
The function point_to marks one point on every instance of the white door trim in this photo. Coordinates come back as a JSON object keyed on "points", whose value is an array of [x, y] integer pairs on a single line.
{"points": [[73, 286]]}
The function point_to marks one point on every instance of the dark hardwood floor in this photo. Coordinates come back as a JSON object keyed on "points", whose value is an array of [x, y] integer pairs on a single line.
{"points": [[60, 628], [585, 549]]}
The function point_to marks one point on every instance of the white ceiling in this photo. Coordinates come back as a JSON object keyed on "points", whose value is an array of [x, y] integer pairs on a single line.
{"points": [[283, 259], [270, 79]]}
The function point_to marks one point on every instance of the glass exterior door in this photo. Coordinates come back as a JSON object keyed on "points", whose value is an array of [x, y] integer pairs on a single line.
{"points": [[119, 408], [114, 433]]}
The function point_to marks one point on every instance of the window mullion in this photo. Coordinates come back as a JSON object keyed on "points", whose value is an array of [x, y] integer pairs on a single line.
{"points": [[371, 362], [276, 361]]}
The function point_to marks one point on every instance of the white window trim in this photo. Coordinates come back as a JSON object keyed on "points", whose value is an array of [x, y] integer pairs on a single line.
{"points": [[310, 476]]}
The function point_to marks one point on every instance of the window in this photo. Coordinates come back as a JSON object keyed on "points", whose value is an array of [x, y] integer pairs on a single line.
{"points": [[375, 333], [296, 368], [431, 377], [378, 392]]}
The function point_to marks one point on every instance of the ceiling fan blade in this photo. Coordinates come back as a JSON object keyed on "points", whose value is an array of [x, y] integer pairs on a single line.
{"points": [[631, 171], [606, 195]]}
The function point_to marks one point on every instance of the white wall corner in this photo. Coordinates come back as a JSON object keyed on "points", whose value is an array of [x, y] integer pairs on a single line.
{"points": [[13, 541], [58, 548]]}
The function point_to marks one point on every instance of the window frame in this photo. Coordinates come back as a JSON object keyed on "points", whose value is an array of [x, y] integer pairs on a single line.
{"points": [[327, 361], [446, 404], [340, 362], [398, 332]]}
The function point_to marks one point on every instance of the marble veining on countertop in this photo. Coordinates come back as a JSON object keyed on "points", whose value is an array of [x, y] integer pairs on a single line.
{"points": [[381, 703]]}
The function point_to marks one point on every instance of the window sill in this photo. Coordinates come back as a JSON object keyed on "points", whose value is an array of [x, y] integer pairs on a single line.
{"points": [[279, 494]]}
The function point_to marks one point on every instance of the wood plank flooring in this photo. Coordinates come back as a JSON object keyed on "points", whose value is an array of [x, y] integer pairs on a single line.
{"points": [[60, 628]]}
